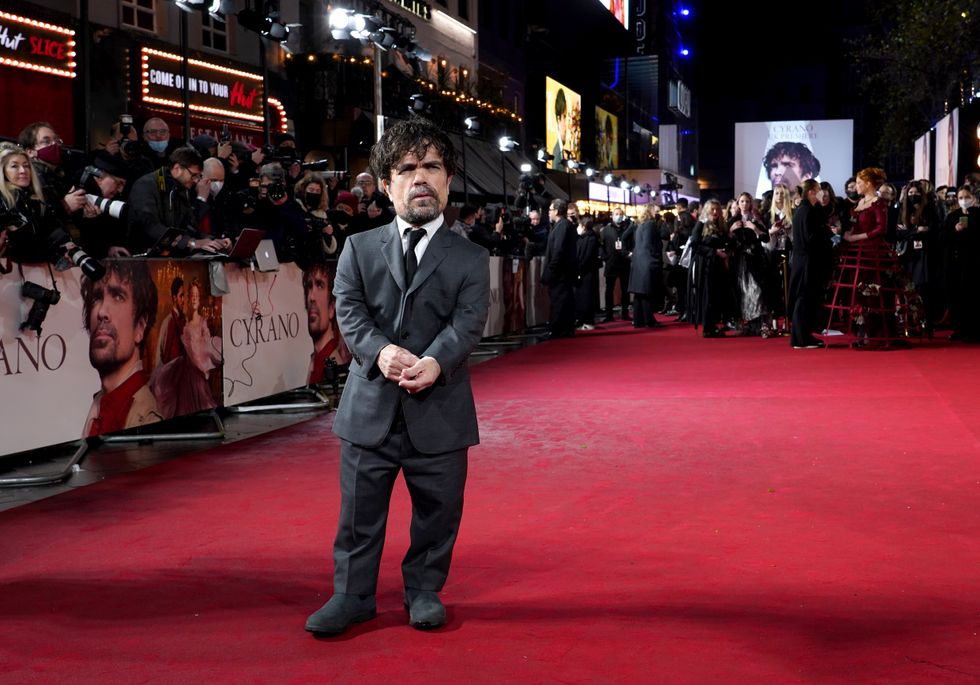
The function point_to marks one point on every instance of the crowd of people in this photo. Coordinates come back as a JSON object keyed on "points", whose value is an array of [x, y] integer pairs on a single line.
{"points": [[122, 199], [876, 263]]}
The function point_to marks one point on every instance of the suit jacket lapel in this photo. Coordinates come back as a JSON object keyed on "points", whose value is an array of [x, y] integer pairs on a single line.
{"points": [[394, 253], [434, 254]]}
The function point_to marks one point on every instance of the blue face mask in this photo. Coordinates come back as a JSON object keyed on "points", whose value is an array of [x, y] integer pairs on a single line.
{"points": [[158, 145]]}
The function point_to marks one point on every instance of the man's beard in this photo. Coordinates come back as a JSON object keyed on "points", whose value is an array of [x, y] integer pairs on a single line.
{"points": [[418, 214], [102, 354]]}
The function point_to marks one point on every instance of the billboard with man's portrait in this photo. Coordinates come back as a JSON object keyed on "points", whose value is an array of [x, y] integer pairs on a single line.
{"points": [[791, 152], [606, 137], [563, 130]]}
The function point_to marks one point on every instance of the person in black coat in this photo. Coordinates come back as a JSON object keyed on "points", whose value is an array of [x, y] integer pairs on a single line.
{"points": [[587, 285], [962, 240], [560, 271], [615, 245], [646, 271], [811, 262], [711, 297]]}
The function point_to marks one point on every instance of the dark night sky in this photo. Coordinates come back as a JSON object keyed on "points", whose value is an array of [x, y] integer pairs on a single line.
{"points": [[764, 64]]}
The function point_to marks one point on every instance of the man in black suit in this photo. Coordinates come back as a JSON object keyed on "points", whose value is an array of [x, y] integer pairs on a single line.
{"points": [[560, 272], [412, 301], [811, 260]]}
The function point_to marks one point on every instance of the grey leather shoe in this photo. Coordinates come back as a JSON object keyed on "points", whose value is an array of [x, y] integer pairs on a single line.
{"points": [[340, 612], [425, 611]]}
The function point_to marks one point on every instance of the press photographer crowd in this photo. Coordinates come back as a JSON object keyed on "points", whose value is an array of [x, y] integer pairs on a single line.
{"points": [[878, 264]]}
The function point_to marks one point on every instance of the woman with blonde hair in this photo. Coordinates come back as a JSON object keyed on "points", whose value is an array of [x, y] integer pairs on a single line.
{"points": [[646, 270], [31, 231]]}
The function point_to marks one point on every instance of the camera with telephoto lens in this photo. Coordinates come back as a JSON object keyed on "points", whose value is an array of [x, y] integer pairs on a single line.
{"points": [[12, 219], [276, 191], [89, 265], [114, 208], [43, 298]]}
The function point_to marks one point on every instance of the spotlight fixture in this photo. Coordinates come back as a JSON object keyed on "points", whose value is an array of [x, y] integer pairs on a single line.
{"points": [[507, 144], [418, 104], [637, 189], [624, 184], [543, 156], [573, 164], [589, 171], [526, 168], [189, 5], [608, 178], [267, 25], [472, 125]]}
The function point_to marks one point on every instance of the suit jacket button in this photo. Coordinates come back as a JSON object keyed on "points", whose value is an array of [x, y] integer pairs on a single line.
{"points": [[404, 334]]}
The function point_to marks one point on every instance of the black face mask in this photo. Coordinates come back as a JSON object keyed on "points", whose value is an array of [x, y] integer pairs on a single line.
{"points": [[312, 200], [852, 194], [914, 199], [289, 152]]}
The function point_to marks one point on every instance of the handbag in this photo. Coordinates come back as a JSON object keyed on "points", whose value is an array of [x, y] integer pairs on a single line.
{"points": [[685, 260]]}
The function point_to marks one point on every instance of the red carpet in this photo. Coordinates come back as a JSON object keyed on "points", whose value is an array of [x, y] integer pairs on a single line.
{"points": [[646, 507]]}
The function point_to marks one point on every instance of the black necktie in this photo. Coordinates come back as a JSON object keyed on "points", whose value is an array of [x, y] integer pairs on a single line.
{"points": [[411, 261]]}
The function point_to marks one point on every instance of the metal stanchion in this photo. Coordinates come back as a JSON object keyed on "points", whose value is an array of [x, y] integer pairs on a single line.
{"points": [[217, 434], [48, 478]]}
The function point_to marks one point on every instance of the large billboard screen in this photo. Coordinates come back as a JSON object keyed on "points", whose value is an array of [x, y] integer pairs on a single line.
{"points": [[947, 132], [770, 152], [606, 138], [563, 130], [923, 152], [620, 9]]}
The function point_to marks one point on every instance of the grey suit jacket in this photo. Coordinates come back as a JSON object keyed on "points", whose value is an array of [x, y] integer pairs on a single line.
{"points": [[441, 315]]}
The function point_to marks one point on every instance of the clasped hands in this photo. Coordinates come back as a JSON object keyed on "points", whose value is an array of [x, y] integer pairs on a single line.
{"points": [[403, 367]]}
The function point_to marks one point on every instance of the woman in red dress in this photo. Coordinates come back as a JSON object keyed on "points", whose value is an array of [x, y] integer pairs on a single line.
{"points": [[872, 297]]}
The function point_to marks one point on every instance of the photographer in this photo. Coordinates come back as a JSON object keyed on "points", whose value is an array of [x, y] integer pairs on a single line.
{"points": [[374, 207], [174, 197], [157, 146], [47, 154], [30, 230], [104, 235], [282, 220], [311, 196], [560, 272], [123, 145], [493, 240]]}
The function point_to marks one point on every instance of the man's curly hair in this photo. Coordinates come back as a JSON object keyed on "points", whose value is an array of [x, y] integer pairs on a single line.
{"points": [[414, 136]]}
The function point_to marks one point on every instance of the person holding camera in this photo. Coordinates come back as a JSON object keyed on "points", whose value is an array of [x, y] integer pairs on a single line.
{"points": [[312, 197], [30, 230], [106, 233], [124, 146], [283, 221], [174, 197], [47, 154]]}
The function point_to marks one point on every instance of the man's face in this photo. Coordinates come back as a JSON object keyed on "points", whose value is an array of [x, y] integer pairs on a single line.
{"points": [[186, 176], [786, 169], [215, 172], [553, 215], [617, 216], [419, 188], [109, 185], [535, 218], [114, 337], [572, 213], [180, 299], [366, 183], [562, 128], [156, 129], [319, 305]]}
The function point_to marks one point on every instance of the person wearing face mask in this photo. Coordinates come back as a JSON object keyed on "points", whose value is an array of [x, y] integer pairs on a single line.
{"points": [[962, 232], [917, 241], [215, 222], [157, 145], [45, 148], [615, 248], [312, 196], [173, 197]]}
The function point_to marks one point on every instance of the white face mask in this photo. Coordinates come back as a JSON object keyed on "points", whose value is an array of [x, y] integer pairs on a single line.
{"points": [[617, 218], [965, 204], [216, 187]]}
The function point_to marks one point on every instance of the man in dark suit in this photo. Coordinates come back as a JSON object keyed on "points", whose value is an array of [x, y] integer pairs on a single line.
{"points": [[412, 301], [560, 272], [811, 261]]}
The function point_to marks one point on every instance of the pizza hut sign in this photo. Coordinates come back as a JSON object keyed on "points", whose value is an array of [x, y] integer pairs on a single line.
{"points": [[211, 88]]}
